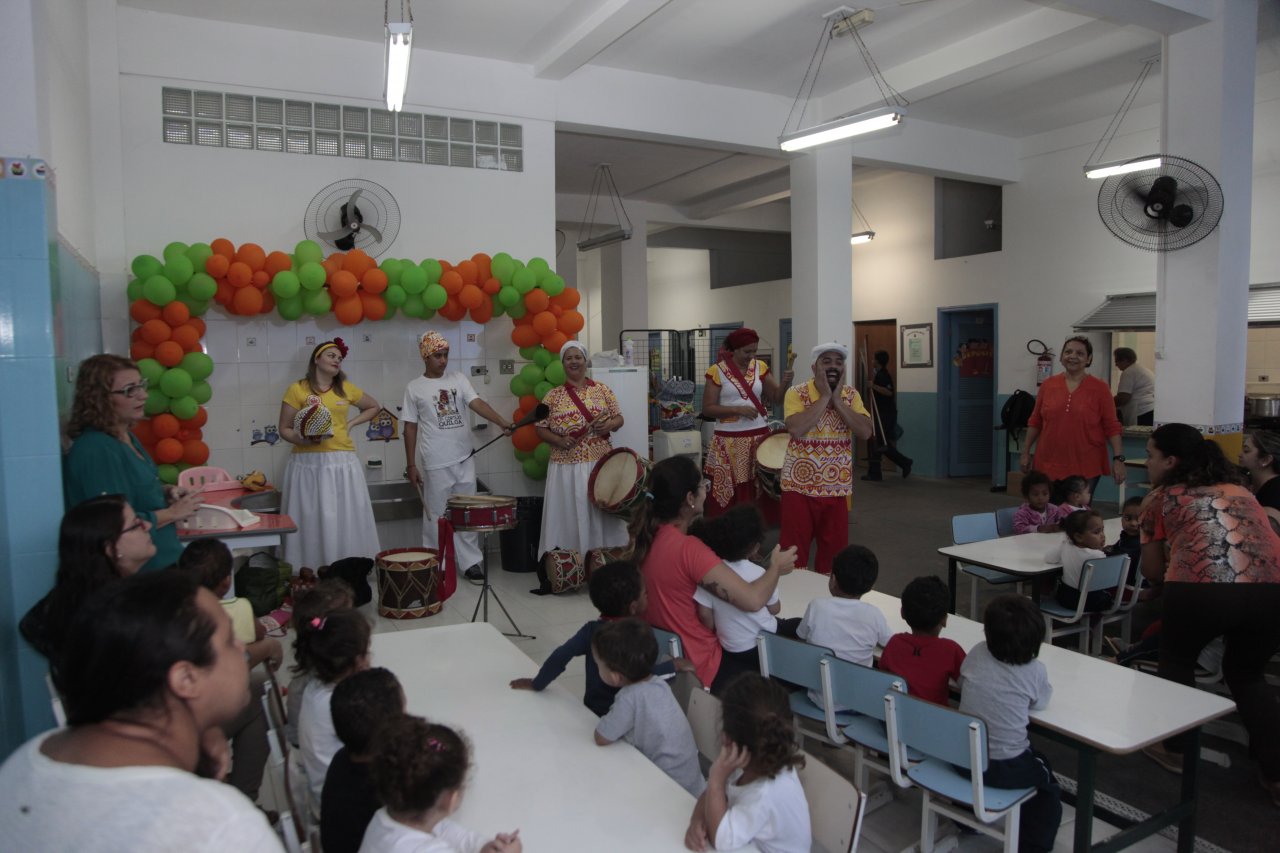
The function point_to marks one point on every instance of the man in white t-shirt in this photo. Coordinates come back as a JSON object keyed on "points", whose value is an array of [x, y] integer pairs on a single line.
{"points": [[1136, 393], [437, 443]]}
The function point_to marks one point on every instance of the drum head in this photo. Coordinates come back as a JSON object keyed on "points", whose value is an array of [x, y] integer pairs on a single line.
{"points": [[772, 451], [409, 557], [615, 477], [480, 500]]}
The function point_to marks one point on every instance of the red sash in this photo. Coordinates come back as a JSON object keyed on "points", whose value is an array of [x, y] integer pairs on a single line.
{"points": [[577, 401], [444, 540], [734, 375]]}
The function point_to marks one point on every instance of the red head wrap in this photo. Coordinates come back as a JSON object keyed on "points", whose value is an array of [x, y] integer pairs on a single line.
{"points": [[739, 338]]}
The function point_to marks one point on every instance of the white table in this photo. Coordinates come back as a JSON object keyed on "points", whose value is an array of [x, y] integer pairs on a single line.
{"points": [[1018, 555], [1096, 707], [536, 767]]}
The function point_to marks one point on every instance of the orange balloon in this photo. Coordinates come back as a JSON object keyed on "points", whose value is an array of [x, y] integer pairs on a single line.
{"points": [[278, 262], [375, 307], [544, 323], [483, 312], [556, 309], [342, 284], [348, 309], [139, 350], [451, 281], [195, 452], [252, 255], [537, 301], [187, 338], [141, 310], [239, 274], [168, 450], [555, 341], [571, 322], [453, 310], [483, 264], [142, 429], [528, 402], [135, 335], [374, 280], [217, 265], [248, 300], [469, 271], [567, 298], [357, 262], [525, 438], [525, 336], [223, 247], [445, 266], [201, 418], [224, 292], [176, 313], [526, 320], [268, 303], [198, 324], [165, 426], [156, 331], [491, 286], [518, 415], [470, 296], [260, 279], [332, 264]]}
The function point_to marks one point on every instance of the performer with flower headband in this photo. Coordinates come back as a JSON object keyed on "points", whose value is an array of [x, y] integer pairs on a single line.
{"points": [[324, 486]]}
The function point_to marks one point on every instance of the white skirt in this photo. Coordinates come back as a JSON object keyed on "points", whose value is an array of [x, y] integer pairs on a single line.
{"points": [[326, 496], [569, 519]]}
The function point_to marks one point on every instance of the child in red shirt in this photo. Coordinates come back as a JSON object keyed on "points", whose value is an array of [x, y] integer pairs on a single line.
{"points": [[927, 661]]}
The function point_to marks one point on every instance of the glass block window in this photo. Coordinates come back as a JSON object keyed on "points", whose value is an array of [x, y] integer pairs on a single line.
{"points": [[328, 117], [270, 139], [239, 108], [435, 127], [437, 153], [328, 144], [175, 102], [382, 148], [355, 119], [487, 158], [383, 122], [462, 155], [486, 133], [355, 146], [512, 161], [410, 151], [270, 111], [297, 113], [209, 133], [410, 125], [177, 130], [209, 105], [239, 136], [297, 141], [461, 130]]}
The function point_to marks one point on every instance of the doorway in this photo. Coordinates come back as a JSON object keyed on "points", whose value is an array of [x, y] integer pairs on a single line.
{"points": [[870, 336], [966, 390]]}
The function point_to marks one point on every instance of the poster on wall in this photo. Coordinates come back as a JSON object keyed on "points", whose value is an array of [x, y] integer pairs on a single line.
{"points": [[975, 358], [917, 345]]}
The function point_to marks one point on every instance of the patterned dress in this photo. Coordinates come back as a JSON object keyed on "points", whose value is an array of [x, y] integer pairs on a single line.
{"points": [[731, 458], [820, 463]]}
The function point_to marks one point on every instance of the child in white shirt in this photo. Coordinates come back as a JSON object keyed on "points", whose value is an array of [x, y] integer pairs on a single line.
{"points": [[1084, 540], [753, 792], [337, 645]]}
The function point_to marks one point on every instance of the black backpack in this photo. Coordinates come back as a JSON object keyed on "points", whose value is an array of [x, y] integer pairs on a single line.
{"points": [[1017, 410], [355, 571]]}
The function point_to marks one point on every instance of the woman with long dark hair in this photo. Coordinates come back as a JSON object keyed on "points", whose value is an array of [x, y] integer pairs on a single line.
{"points": [[1221, 578], [675, 564]]}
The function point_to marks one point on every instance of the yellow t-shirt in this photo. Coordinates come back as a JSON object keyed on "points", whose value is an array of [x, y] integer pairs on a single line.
{"points": [[339, 408], [241, 613], [820, 463]]}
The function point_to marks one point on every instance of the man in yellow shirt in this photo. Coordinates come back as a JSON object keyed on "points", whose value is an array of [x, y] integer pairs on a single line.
{"points": [[822, 416]]}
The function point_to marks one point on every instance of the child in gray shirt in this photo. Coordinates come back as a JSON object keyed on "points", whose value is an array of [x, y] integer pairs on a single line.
{"points": [[644, 712]]}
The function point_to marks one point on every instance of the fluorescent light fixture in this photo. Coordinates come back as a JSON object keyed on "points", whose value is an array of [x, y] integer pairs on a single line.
{"points": [[1121, 167], [608, 238], [862, 237], [399, 49], [842, 128]]}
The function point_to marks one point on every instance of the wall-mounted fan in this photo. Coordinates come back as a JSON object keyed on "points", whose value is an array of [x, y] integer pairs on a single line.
{"points": [[1170, 207], [353, 214]]}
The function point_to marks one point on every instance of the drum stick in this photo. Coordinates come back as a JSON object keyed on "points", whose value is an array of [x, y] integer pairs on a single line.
{"points": [[539, 412]]}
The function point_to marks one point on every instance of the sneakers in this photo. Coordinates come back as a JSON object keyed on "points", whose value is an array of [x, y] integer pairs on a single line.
{"points": [[906, 469], [474, 574], [1169, 760]]}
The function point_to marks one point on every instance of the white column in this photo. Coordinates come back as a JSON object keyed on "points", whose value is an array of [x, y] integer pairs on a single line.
{"points": [[821, 220], [624, 286], [1203, 292]]}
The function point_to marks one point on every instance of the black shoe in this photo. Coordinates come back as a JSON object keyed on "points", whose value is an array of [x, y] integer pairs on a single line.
{"points": [[474, 574], [906, 470], [872, 478]]}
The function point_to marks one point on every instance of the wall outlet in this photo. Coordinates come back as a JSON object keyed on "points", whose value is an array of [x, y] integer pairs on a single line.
{"points": [[368, 339], [507, 366], [1262, 377], [311, 340], [479, 370], [251, 342]]}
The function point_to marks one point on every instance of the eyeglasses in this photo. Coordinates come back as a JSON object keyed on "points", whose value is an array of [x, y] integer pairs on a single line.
{"points": [[137, 525], [133, 389]]}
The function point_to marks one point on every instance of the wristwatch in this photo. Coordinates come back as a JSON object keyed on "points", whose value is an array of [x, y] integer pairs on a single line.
{"points": [[1119, 457]]}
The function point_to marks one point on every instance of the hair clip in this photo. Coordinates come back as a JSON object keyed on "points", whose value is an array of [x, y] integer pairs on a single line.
{"points": [[317, 622], [435, 745]]}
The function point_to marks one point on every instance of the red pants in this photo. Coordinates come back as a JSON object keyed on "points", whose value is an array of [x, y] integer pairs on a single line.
{"points": [[745, 493], [807, 518]]}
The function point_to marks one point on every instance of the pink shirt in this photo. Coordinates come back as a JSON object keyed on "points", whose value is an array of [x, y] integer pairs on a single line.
{"points": [[673, 568], [1074, 427]]}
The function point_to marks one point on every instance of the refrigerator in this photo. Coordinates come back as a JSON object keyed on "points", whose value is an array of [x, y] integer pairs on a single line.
{"points": [[631, 386]]}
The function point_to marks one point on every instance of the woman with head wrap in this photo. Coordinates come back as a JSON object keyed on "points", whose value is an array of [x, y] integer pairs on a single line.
{"points": [[738, 389], [324, 485]]}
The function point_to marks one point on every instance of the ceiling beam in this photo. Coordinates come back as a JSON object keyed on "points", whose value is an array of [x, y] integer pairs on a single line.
{"points": [[586, 38], [741, 196], [1162, 16]]}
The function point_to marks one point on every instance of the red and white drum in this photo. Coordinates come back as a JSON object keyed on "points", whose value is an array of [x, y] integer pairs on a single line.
{"points": [[618, 482], [598, 557], [565, 570], [481, 512], [409, 580], [769, 458]]}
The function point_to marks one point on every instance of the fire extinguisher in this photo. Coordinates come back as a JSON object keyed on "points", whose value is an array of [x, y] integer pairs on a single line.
{"points": [[1044, 359]]}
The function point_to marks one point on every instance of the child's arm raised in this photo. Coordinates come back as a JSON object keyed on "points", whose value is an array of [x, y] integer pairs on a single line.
{"points": [[716, 798]]}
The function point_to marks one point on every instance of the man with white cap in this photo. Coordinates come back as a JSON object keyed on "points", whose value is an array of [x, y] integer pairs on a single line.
{"points": [[822, 416], [437, 443]]}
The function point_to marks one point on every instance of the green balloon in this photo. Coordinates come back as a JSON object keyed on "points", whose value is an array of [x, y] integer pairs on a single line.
{"points": [[174, 249], [413, 306], [391, 312], [522, 455], [531, 373], [198, 254], [508, 296], [201, 392], [515, 312], [434, 297], [151, 370], [427, 313], [394, 295], [202, 286], [541, 389], [542, 453], [555, 373], [524, 281], [502, 267], [433, 270], [179, 269], [527, 353], [393, 267], [145, 266], [534, 470], [199, 365], [182, 466], [289, 309], [519, 387], [133, 290], [311, 275], [317, 302], [413, 279], [552, 285], [184, 408], [285, 285], [197, 307], [157, 402], [168, 474], [308, 251], [542, 356], [176, 382], [498, 309], [159, 290]]}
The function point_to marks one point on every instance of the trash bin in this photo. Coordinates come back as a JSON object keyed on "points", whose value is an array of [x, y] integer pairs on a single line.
{"points": [[520, 543]]}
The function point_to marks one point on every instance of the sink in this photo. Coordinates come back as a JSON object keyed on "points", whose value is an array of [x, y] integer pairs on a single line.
{"points": [[262, 502]]}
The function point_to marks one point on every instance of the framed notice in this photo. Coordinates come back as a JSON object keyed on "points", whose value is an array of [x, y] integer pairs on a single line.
{"points": [[917, 345]]}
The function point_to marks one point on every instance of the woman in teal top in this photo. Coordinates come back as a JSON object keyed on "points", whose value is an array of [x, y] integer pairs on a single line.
{"points": [[106, 458]]}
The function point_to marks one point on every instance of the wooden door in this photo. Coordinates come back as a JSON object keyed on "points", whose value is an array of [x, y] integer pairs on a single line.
{"points": [[869, 337]]}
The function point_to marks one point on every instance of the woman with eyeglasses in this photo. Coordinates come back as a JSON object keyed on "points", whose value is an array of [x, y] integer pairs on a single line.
{"points": [[107, 458]]}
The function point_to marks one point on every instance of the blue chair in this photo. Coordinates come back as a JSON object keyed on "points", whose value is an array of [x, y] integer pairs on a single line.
{"points": [[1106, 573], [860, 689], [668, 643], [798, 663], [979, 527], [1004, 520], [954, 746]]}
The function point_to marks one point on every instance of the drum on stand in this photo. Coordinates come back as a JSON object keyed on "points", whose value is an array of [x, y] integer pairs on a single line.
{"points": [[408, 583], [481, 513], [769, 458], [618, 482]]}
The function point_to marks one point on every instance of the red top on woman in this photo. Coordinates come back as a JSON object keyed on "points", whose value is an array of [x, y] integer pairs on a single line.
{"points": [[1074, 427], [673, 568], [1216, 534]]}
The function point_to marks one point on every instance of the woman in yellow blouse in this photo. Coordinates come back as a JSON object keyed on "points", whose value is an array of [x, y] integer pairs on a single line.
{"points": [[324, 486], [582, 414]]}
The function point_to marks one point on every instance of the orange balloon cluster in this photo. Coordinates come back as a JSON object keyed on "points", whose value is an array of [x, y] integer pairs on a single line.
{"points": [[165, 334], [355, 284], [170, 440], [548, 320], [242, 276]]}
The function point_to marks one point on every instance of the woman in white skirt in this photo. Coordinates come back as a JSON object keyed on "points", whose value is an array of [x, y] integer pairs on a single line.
{"points": [[324, 486], [582, 413]]}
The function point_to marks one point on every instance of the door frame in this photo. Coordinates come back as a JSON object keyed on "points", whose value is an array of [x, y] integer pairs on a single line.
{"points": [[945, 349]]}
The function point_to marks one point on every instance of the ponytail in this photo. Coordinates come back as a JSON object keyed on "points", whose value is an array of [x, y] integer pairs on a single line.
{"points": [[670, 482], [1201, 461]]}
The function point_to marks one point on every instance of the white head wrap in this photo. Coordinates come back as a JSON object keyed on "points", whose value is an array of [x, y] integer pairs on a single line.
{"points": [[829, 346], [568, 345]]}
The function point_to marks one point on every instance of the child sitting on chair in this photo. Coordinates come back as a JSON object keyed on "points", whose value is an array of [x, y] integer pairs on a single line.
{"points": [[1001, 682], [361, 705], [1038, 514], [926, 660], [1071, 493], [1130, 541], [1085, 538], [617, 591], [645, 713], [753, 791], [337, 646], [420, 771], [844, 623], [319, 600]]}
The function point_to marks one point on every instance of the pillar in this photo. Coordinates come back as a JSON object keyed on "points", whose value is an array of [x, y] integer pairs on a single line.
{"points": [[624, 286], [821, 259]]}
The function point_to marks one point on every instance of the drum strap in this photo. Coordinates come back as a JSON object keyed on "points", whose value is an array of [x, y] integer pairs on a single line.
{"points": [[444, 536], [740, 382], [582, 407]]}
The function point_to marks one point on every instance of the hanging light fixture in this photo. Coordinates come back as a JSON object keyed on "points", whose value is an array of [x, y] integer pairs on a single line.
{"points": [[399, 49], [1095, 169], [835, 24], [861, 236], [602, 184]]}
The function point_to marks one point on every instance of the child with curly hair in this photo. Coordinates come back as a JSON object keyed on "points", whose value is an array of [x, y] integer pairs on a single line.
{"points": [[1038, 514], [753, 791]]}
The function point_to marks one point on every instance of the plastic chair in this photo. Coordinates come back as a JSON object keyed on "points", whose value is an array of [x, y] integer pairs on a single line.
{"points": [[206, 476], [1124, 613], [668, 642], [1105, 573], [861, 690], [704, 720], [798, 663], [55, 701], [979, 527], [297, 830], [951, 742], [1004, 520], [836, 807]]}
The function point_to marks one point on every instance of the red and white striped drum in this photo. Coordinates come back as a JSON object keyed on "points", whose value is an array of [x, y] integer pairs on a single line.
{"points": [[408, 583], [618, 481], [481, 512]]}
